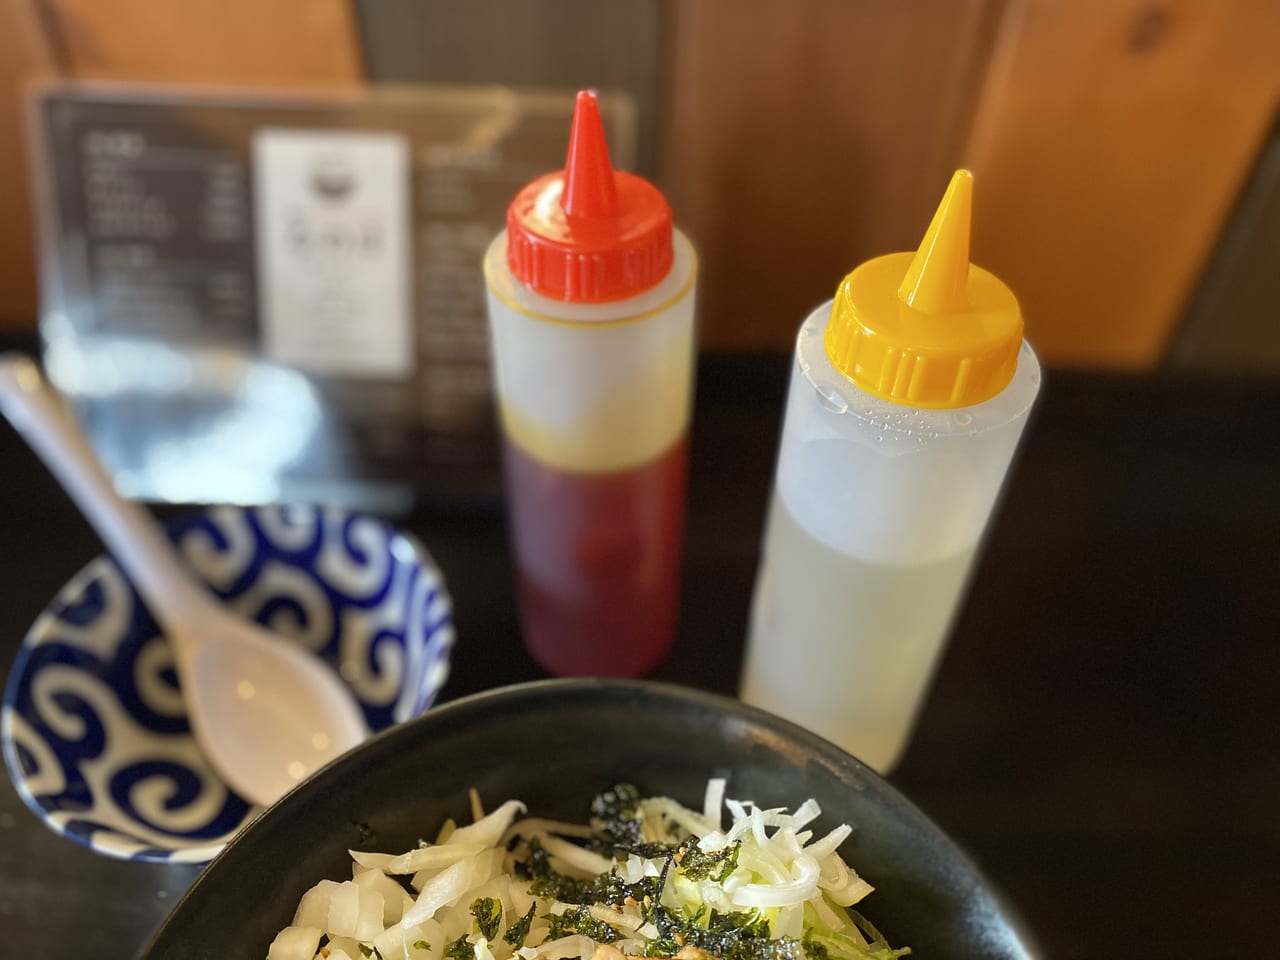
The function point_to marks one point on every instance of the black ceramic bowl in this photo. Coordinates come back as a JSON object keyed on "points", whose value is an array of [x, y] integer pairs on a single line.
{"points": [[555, 744]]}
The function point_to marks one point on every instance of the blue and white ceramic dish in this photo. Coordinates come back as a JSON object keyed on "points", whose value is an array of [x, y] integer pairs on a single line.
{"points": [[94, 727]]}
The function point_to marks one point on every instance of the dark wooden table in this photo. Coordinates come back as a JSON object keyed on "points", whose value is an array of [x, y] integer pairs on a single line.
{"points": [[1102, 733]]}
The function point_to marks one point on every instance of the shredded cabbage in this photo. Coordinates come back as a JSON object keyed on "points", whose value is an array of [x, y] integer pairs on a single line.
{"points": [[645, 877]]}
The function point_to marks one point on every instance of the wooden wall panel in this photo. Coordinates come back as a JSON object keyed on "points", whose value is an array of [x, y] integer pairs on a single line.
{"points": [[298, 43], [24, 54], [1109, 145], [802, 138]]}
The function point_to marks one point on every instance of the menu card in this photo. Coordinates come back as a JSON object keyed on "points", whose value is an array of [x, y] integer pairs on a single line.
{"points": [[253, 297]]}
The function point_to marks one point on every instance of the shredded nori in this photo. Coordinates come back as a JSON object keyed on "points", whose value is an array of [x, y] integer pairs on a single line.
{"points": [[727, 936], [546, 881], [650, 850], [460, 949], [698, 865], [616, 814], [580, 920], [518, 932], [488, 914]]}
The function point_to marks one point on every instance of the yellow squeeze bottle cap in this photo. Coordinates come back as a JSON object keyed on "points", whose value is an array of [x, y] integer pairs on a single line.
{"points": [[928, 329]]}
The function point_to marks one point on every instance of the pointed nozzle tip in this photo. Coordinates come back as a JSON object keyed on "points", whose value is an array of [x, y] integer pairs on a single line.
{"points": [[589, 188], [937, 281]]}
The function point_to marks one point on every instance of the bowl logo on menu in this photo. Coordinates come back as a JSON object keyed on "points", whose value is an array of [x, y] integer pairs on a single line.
{"points": [[331, 177], [333, 225]]}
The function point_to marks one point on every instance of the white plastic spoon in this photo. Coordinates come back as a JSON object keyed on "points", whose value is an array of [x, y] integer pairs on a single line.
{"points": [[266, 712]]}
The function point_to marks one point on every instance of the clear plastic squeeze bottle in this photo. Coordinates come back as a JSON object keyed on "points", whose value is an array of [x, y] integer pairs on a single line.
{"points": [[591, 294], [908, 395]]}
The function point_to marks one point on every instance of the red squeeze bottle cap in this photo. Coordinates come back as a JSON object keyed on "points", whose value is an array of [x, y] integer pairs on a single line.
{"points": [[589, 233]]}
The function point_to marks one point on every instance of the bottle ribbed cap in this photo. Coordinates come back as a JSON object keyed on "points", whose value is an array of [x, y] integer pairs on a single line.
{"points": [[589, 233], [928, 329]]}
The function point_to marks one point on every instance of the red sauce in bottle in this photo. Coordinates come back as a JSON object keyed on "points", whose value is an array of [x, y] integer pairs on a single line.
{"points": [[597, 551], [598, 560]]}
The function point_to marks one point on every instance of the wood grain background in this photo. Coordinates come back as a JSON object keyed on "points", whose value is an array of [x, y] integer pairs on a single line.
{"points": [[1109, 141], [800, 145]]}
